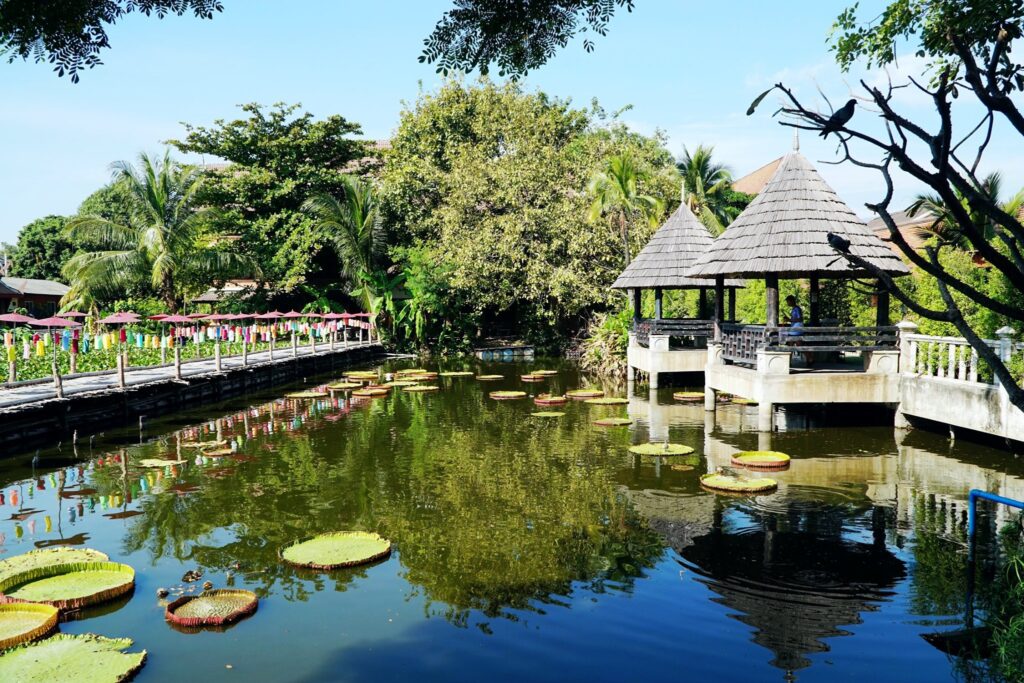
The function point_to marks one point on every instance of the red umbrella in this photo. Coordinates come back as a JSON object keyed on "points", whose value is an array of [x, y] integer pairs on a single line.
{"points": [[196, 316], [16, 318], [158, 317], [73, 314], [334, 316], [178, 318], [273, 315], [291, 315], [218, 317], [55, 322], [120, 318]]}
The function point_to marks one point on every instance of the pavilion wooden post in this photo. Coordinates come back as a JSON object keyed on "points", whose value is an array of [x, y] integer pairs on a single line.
{"points": [[702, 303], [658, 294], [882, 312], [815, 303], [636, 304], [771, 292], [732, 305], [719, 306]]}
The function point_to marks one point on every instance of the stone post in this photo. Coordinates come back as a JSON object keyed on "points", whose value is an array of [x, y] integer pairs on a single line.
{"points": [[1005, 351], [908, 359], [177, 362], [658, 344], [714, 358], [58, 385], [295, 345], [216, 354], [312, 339], [120, 371]]}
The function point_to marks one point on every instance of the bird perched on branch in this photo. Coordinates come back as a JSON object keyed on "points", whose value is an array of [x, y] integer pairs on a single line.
{"points": [[839, 118], [840, 244]]}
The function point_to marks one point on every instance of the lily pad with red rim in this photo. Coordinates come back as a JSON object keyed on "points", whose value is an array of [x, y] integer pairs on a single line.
{"points": [[70, 586], [549, 400], [581, 394], [35, 559], [422, 388], [490, 378], [613, 422], [688, 396], [547, 413], [761, 460], [85, 658], [211, 608], [507, 395], [371, 392]]}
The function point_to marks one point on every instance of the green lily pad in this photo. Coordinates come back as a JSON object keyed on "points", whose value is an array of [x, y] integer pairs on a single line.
{"points": [[84, 658], [507, 395], [730, 484], [545, 373], [549, 400], [344, 386], [584, 393], [688, 396], [457, 373], [338, 549], [211, 608], [681, 468], [613, 422], [533, 378], [70, 586], [547, 413], [157, 462], [48, 557], [660, 449], [203, 444], [23, 622], [362, 374], [740, 401], [489, 378], [411, 371], [761, 460], [371, 392], [399, 383], [218, 452], [422, 388], [303, 395], [607, 401]]}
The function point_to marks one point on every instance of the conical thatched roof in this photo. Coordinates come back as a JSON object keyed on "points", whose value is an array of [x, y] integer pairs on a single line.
{"points": [[672, 249], [784, 232]]}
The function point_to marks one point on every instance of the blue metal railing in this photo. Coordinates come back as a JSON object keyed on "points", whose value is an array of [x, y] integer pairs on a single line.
{"points": [[972, 512]]}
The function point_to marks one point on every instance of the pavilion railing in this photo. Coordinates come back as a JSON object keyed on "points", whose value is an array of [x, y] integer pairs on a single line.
{"points": [[683, 329], [740, 343]]}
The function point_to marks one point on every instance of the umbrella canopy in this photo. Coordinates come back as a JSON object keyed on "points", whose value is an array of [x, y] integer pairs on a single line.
{"points": [[16, 318], [55, 322], [272, 315], [119, 318], [218, 317], [158, 317], [334, 316], [71, 315], [177, 319], [293, 314], [196, 316]]}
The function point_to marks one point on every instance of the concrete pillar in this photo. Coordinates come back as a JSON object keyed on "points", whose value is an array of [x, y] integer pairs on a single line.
{"points": [[764, 441], [710, 399], [765, 411], [216, 354], [120, 371], [295, 345], [177, 362], [908, 359], [901, 421]]}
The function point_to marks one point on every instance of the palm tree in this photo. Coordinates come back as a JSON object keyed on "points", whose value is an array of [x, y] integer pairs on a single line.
{"points": [[167, 243], [708, 187], [615, 192], [350, 223], [945, 228]]}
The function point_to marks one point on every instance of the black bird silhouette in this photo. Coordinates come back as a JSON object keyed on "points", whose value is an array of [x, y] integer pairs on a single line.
{"points": [[839, 243], [839, 118]]}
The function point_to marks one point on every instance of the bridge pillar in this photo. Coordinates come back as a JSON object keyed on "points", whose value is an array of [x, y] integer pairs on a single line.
{"points": [[658, 344]]}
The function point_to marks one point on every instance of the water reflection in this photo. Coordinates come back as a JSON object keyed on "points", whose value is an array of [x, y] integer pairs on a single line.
{"points": [[501, 518]]}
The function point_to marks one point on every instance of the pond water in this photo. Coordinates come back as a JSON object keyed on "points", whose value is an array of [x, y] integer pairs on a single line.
{"points": [[525, 548]]}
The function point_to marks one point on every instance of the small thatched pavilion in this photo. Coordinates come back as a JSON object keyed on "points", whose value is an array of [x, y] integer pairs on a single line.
{"points": [[662, 264], [784, 232]]}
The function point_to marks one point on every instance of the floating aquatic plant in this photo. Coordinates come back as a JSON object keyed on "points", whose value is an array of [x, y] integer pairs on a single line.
{"points": [[761, 460], [609, 401], [489, 378], [613, 422], [507, 395], [211, 608], [682, 468], [545, 373], [457, 373], [688, 396], [422, 388], [203, 444], [371, 392], [83, 658], [398, 383], [218, 452], [584, 393], [158, 462], [303, 395], [549, 400], [362, 374], [411, 371], [533, 378], [731, 484], [35, 559], [660, 449], [740, 401], [72, 585], [23, 622], [337, 549], [547, 413], [344, 386]]}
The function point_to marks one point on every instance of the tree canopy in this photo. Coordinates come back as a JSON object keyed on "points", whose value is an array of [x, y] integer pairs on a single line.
{"points": [[71, 35], [42, 249]]}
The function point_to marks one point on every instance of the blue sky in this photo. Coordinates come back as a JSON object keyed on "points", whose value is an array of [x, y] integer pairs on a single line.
{"points": [[688, 68]]}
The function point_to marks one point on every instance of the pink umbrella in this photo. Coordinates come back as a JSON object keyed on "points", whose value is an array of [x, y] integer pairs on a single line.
{"points": [[273, 315], [73, 314], [119, 318], [196, 316], [177, 318], [16, 318], [334, 316], [218, 317], [55, 322], [291, 315], [158, 317]]}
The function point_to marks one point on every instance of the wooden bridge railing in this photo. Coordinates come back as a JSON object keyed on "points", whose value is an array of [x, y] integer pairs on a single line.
{"points": [[676, 328], [740, 343]]}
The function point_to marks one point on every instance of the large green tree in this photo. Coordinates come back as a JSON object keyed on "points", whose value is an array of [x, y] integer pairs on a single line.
{"points": [[490, 183], [709, 192], [615, 193], [167, 243], [42, 249], [277, 158]]}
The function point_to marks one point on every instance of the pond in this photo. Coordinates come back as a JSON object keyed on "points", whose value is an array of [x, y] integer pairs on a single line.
{"points": [[525, 548]]}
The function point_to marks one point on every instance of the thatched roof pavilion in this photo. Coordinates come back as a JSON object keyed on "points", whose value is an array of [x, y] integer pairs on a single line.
{"points": [[662, 263], [784, 232]]}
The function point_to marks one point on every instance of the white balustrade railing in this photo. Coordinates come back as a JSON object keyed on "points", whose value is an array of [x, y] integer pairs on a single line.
{"points": [[953, 358]]}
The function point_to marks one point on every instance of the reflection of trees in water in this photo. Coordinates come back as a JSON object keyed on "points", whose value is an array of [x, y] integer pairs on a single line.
{"points": [[796, 577], [490, 511]]}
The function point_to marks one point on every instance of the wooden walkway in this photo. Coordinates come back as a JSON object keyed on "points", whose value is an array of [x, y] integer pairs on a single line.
{"points": [[23, 395]]}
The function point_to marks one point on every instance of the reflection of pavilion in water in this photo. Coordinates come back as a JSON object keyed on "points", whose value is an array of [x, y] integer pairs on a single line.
{"points": [[801, 564]]}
